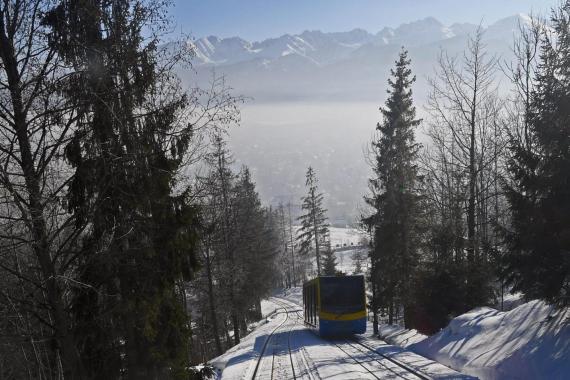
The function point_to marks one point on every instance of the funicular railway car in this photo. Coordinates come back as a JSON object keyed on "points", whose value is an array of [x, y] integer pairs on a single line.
{"points": [[335, 306]]}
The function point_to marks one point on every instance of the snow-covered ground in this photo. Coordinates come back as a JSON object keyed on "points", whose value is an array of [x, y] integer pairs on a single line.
{"points": [[291, 348], [526, 341], [348, 243], [344, 237], [400, 336], [532, 341], [268, 308]]}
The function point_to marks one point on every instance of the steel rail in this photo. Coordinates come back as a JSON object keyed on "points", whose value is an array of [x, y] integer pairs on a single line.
{"points": [[394, 361], [262, 354]]}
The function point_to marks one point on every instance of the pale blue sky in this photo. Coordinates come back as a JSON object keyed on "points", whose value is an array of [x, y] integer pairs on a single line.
{"points": [[259, 19]]}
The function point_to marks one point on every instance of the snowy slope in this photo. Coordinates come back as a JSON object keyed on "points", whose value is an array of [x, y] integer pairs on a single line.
{"points": [[400, 336], [342, 237], [531, 341], [289, 343]]}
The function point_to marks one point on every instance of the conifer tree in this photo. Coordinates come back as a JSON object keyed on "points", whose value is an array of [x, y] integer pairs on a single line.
{"points": [[357, 258], [394, 197], [222, 190], [257, 243], [126, 152], [238, 251], [329, 262], [314, 230], [537, 261]]}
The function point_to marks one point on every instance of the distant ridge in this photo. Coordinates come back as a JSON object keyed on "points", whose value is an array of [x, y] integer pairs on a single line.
{"points": [[323, 48]]}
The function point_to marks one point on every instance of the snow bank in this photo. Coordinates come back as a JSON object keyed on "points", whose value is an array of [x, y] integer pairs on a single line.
{"points": [[399, 336], [294, 295], [268, 308], [531, 341], [236, 363], [510, 301]]}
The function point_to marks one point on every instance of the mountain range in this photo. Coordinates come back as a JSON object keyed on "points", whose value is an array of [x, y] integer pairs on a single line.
{"points": [[314, 98], [338, 66], [322, 48]]}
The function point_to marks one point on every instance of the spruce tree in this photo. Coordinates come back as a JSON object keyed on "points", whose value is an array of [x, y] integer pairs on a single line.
{"points": [[222, 190], [357, 259], [256, 236], [126, 152], [394, 197], [537, 261], [329, 262], [314, 230]]}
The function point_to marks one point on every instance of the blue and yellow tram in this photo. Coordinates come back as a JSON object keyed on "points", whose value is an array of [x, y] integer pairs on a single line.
{"points": [[335, 306]]}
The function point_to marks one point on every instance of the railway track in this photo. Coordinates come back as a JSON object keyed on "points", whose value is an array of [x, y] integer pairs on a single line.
{"points": [[417, 374], [376, 364], [276, 360]]}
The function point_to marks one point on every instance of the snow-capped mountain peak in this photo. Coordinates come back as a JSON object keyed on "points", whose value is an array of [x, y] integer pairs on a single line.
{"points": [[322, 48]]}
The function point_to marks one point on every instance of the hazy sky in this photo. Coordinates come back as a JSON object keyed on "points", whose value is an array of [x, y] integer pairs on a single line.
{"points": [[259, 19]]}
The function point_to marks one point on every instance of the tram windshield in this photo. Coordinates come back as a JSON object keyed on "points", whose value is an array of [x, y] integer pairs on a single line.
{"points": [[342, 294]]}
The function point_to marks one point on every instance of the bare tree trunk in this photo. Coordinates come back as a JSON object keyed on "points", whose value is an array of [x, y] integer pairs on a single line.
{"points": [[292, 245], [316, 234], [471, 205], [374, 309], [229, 252], [36, 222], [212, 304]]}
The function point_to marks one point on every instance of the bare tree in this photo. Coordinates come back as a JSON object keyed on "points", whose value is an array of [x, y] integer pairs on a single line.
{"points": [[465, 126], [521, 73], [36, 232]]}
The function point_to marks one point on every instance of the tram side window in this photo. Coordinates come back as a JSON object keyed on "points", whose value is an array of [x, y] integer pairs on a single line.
{"points": [[309, 303], [305, 301], [315, 304], [310, 306]]}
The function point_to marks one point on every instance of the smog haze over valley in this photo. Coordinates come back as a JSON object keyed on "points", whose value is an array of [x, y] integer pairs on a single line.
{"points": [[313, 96]]}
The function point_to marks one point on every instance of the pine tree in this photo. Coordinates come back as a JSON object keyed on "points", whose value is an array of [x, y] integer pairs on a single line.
{"points": [[394, 197], [257, 244], [287, 260], [537, 262], [126, 153], [357, 259], [314, 230], [242, 244], [294, 261], [329, 261], [222, 190]]}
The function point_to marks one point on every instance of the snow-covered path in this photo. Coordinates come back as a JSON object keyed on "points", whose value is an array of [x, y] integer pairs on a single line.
{"points": [[284, 348]]}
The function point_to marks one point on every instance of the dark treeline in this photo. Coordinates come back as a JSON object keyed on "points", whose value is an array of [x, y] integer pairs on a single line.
{"points": [[114, 261], [483, 208], [240, 247]]}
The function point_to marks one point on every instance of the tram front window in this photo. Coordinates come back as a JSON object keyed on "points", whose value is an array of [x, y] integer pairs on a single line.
{"points": [[342, 294]]}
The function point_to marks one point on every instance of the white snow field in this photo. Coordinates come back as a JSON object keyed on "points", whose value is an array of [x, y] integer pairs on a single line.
{"points": [[344, 237], [283, 348], [532, 341]]}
